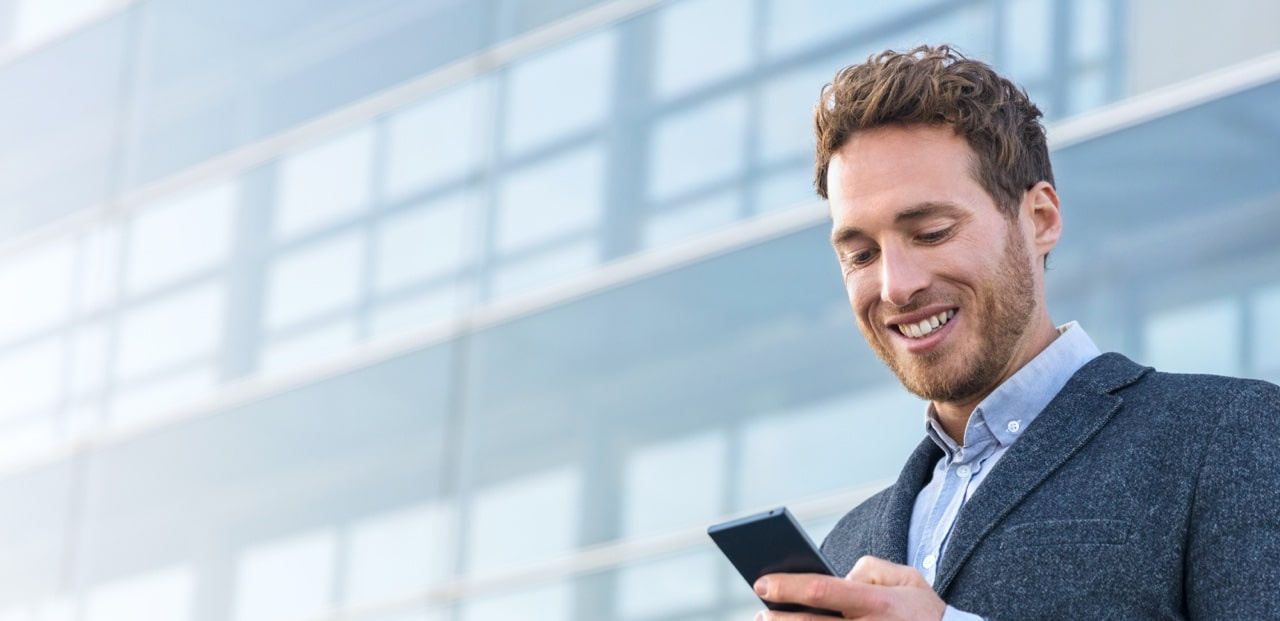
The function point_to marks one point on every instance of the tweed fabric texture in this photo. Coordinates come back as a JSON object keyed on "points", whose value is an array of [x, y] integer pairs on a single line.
{"points": [[1135, 494]]}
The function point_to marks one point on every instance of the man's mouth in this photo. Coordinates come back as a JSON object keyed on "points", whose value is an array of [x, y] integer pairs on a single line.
{"points": [[926, 326]]}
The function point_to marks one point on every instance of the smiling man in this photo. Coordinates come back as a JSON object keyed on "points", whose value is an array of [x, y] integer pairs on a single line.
{"points": [[1055, 481]]}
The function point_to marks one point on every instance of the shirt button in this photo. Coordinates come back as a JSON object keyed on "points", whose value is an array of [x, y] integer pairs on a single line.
{"points": [[964, 471], [930, 561], [1014, 426]]}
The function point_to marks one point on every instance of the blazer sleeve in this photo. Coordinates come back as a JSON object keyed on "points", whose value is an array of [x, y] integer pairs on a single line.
{"points": [[1233, 536]]}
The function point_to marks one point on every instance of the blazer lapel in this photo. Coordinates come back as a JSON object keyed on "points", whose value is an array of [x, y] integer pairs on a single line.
{"points": [[1074, 416], [889, 541]]}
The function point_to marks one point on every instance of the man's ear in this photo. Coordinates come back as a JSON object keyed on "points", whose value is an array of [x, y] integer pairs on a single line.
{"points": [[1040, 207]]}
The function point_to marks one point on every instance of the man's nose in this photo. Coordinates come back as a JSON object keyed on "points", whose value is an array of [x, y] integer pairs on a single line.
{"points": [[902, 276]]}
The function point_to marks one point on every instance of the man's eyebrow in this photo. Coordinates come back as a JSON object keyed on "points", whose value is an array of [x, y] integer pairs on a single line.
{"points": [[914, 212]]}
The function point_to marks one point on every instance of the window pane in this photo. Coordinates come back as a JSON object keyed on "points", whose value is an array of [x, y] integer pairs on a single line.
{"points": [[546, 603], [685, 582], [402, 315], [848, 441], [786, 188], [495, 540], [41, 280], [675, 484], [1266, 331], [1204, 338], [157, 596], [430, 240], [798, 24], [786, 121], [33, 375], [700, 41], [1090, 30], [436, 141], [286, 579], [315, 279], [99, 264], [309, 347], [324, 184], [89, 357], [180, 237], [398, 554], [157, 398], [178, 328], [699, 146], [550, 199], [544, 268], [1027, 54], [559, 92], [685, 221]]}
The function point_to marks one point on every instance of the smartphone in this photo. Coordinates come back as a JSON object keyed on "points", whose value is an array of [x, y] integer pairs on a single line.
{"points": [[768, 543]]}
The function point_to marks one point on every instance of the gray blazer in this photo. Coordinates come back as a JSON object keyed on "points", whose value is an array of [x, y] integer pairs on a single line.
{"points": [[1134, 495]]}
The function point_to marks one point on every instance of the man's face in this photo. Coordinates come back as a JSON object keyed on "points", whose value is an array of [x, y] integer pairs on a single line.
{"points": [[942, 284]]}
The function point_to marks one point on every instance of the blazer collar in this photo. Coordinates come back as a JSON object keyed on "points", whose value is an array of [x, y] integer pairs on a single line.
{"points": [[1070, 421], [890, 538]]}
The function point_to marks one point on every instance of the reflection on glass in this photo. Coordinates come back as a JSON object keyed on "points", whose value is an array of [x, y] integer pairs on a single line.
{"points": [[656, 589], [699, 41], [551, 199], [398, 554], [526, 273], [1266, 332], [846, 442], [32, 375], [89, 357], [180, 237], [163, 595], [156, 398], [99, 261], [560, 92], [685, 221], [404, 314], [675, 484], [177, 328], [786, 111], [794, 25], [426, 241], [436, 141], [1202, 338], [26, 440], [1090, 30], [36, 289], [544, 603], [316, 279], [495, 539], [698, 146], [36, 20], [291, 578], [1027, 53], [310, 346], [786, 188], [324, 184]]}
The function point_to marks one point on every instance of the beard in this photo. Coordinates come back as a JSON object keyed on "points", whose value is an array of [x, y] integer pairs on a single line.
{"points": [[1005, 305]]}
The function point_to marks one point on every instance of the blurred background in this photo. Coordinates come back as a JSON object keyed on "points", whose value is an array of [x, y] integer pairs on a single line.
{"points": [[483, 310]]}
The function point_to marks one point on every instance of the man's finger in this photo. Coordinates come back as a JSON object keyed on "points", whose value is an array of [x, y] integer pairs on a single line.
{"points": [[872, 570], [851, 598]]}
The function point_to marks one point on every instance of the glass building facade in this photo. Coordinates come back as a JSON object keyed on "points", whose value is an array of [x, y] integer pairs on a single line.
{"points": [[443, 310]]}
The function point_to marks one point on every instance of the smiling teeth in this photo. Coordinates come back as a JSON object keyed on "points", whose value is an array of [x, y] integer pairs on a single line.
{"points": [[926, 326]]}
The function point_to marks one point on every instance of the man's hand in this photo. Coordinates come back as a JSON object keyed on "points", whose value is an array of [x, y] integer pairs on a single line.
{"points": [[874, 589]]}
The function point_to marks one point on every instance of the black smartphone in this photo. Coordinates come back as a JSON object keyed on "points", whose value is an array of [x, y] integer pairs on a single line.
{"points": [[768, 543]]}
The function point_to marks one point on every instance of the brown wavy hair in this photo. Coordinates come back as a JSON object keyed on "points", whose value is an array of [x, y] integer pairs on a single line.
{"points": [[939, 86]]}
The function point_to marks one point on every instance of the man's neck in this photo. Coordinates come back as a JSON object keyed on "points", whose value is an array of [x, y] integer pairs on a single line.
{"points": [[954, 415]]}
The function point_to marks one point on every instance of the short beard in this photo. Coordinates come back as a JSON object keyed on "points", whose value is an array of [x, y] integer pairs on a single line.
{"points": [[1008, 302]]}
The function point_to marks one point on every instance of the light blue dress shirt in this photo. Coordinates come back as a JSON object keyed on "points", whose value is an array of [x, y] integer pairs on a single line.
{"points": [[996, 423]]}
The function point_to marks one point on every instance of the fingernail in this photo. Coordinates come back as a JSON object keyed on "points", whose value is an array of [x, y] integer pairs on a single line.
{"points": [[762, 588]]}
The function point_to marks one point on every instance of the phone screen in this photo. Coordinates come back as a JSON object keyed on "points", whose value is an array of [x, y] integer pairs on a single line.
{"points": [[767, 543]]}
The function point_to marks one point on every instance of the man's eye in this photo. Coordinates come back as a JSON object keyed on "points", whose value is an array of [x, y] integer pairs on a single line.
{"points": [[934, 237], [859, 258]]}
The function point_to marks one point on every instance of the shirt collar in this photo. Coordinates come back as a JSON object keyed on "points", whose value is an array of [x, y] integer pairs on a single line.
{"points": [[1005, 413]]}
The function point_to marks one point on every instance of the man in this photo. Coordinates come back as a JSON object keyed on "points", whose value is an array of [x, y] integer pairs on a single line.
{"points": [[1056, 482]]}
